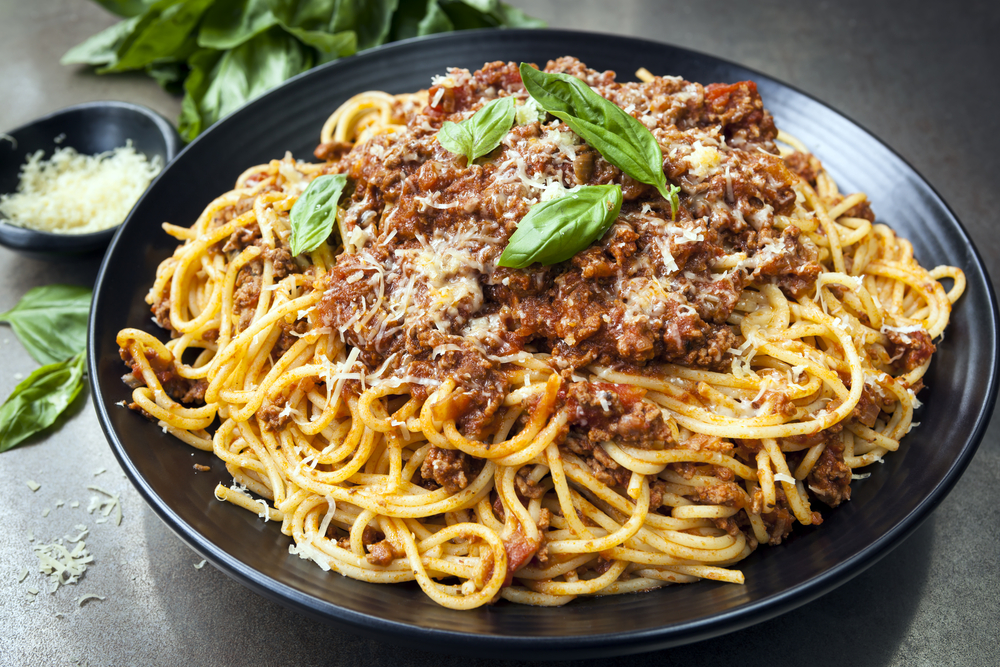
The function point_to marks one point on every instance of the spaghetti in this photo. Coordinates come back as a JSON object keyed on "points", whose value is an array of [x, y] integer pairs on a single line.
{"points": [[645, 413]]}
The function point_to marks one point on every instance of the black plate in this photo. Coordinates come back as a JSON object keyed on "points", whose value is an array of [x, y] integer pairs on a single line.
{"points": [[884, 509], [90, 128]]}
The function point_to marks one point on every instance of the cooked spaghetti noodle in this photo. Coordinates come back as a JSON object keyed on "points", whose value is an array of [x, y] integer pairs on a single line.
{"points": [[645, 413]]}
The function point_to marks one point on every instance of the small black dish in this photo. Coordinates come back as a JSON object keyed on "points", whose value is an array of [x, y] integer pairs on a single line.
{"points": [[91, 128]]}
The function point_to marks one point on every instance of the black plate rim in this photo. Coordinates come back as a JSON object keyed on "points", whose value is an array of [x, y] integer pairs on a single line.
{"points": [[615, 643]]}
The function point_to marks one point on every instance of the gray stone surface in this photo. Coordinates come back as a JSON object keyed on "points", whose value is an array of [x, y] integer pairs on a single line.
{"points": [[919, 75]]}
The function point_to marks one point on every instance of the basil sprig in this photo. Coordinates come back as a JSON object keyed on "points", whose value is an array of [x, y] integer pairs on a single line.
{"points": [[555, 230], [480, 134], [39, 399], [223, 53], [314, 213], [51, 321], [616, 135]]}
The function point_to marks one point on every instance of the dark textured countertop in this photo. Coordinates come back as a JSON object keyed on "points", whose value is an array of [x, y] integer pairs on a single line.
{"points": [[919, 75]]}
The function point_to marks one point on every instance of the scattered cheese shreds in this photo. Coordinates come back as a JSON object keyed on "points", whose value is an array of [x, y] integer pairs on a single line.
{"points": [[200, 565], [62, 565], [23, 575], [782, 477], [106, 506], [45, 512], [99, 471], [74, 503], [33, 485], [86, 598]]}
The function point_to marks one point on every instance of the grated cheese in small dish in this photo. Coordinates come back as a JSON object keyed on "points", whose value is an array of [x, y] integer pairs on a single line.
{"points": [[72, 193]]}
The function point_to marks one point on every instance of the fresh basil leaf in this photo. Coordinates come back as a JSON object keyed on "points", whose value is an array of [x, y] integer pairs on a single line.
{"points": [[483, 6], [229, 23], [434, 21], [191, 41], [39, 399], [478, 135], [126, 8], [465, 16], [169, 74], [102, 48], [369, 19], [309, 22], [162, 31], [616, 135], [250, 70], [51, 321], [331, 46], [415, 18], [304, 14], [202, 64], [512, 17], [315, 211], [472, 14], [555, 230]]}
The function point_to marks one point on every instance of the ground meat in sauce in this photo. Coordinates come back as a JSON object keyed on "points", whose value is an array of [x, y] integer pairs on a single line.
{"points": [[181, 389], [605, 411], [805, 165], [437, 225], [793, 267], [909, 350], [449, 468], [830, 478], [602, 466], [272, 416]]}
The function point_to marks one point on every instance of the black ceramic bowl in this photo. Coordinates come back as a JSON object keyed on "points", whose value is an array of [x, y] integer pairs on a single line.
{"points": [[91, 128], [883, 510]]}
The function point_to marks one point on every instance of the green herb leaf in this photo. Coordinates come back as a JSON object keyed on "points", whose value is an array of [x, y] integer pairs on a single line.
{"points": [[555, 230], [240, 75], [39, 399], [202, 64], [51, 321], [434, 21], [161, 32], [229, 23], [169, 74], [369, 19], [225, 52], [330, 46], [480, 134], [126, 7], [415, 18], [102, 48], [315, 211], [306, 14], [512, 17], [620, 138]]}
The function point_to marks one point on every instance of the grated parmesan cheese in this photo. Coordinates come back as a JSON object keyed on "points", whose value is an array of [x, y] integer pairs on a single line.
{"points": [[61, 565], [79, 194], [89, 596], [111, 504], [704, 160], [901, 330]]}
